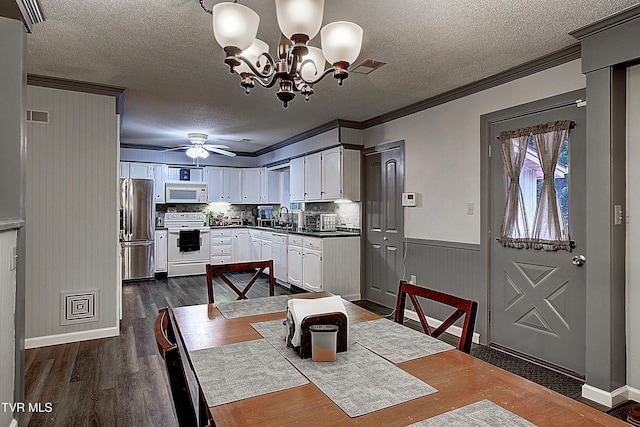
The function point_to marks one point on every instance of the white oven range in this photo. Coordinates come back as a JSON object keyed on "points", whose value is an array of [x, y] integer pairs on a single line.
{"points": [[188, 243]]}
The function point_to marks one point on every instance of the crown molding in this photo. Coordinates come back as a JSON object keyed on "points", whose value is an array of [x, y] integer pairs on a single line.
{"points": [[79, 86], [607, 23], [549, 61]]}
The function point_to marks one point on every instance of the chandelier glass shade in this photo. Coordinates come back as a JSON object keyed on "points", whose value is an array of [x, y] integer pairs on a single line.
{"points": [[297, 66]]}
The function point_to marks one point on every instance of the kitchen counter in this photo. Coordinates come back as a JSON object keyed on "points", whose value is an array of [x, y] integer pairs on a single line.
{"points": [[320, 234]]}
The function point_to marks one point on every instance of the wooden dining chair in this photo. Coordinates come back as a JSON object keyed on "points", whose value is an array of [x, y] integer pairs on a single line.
{"points": [[170, 352], [220, 270], [464, 307]]}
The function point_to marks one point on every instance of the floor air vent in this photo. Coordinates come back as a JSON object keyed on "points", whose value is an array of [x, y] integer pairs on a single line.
{"points": [[34, 116], [80, 307]]}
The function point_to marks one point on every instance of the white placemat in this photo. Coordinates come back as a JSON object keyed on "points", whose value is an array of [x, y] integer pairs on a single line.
{"points": [[396, 342], [253, 306], [484, 413], [238, 371], [359, 381]]}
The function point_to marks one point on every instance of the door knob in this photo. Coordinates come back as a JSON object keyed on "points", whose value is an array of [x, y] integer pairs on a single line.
{"points": [[385, 238], [579, 260]]}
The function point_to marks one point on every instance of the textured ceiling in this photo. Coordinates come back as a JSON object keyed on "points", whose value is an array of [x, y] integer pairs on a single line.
{"points": [[166, 57]]}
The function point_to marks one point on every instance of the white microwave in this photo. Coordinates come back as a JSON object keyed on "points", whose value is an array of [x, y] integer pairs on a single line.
{"points": [[185, 192]]}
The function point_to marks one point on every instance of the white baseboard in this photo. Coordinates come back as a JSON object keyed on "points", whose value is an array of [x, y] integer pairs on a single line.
{"points": [[633, 394], [606, 398], [71, 337], [351, 297], [434, 323]]}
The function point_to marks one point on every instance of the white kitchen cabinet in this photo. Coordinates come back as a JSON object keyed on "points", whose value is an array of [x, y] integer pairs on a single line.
{"points": [[221, 246], [214, 177], [251, 185], [160, 251], [294, 260], [296, 179], [232, 185], [242, 245], [271, 186], [141, 170], [256, 245], [267, 246], [279, 255], [160, 174], [312, 264], [313, 177], [341, 174], [285, 199]]}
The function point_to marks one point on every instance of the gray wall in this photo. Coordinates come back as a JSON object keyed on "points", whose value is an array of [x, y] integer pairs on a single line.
{"points": [[13, 76], [72, 212]]}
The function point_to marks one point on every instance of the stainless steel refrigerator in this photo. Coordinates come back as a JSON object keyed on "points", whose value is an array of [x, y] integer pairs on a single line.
{"points": [[137, 228]]}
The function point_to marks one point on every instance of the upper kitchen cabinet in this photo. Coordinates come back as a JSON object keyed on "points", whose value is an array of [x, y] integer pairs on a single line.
{"points": [[214, 177], [272, 186], [160, 173], [252, 184], [136, 170], [141, 170], [328, 175], [341, 174], [296, 179], [313, 177]]}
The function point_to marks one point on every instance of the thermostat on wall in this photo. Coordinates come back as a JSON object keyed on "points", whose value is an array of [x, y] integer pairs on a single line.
{"points": [[409, 199]]}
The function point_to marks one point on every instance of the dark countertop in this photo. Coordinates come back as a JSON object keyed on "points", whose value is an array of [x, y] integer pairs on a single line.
{"points": [[319, 234]]}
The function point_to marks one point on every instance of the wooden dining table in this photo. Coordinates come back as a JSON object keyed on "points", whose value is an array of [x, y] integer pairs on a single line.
{"points": [[460, 380]]}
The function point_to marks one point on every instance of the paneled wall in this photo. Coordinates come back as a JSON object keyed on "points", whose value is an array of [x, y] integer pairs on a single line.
{"points": [[8, 242], [72, 233], [455, 268], [633, 228]]}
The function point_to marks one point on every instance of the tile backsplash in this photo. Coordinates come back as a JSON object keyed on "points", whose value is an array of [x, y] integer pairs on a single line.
{"points": [[348, 213]]}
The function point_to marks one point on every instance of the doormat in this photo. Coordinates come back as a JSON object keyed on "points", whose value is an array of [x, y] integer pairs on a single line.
{"points": [[621, 411]]}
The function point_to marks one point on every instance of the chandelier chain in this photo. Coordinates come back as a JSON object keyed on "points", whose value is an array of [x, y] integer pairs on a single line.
{"points": [[209, 11]]}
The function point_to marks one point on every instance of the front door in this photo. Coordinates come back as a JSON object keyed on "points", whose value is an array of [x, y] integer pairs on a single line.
{"points": [[538, 297], [384, 224]]}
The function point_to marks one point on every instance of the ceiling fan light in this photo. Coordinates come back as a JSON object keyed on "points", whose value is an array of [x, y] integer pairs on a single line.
{"points": [[202, 153], [300, 17], [341, 41], [253, 53], [234, 25], [192, 152], [311, 71]]}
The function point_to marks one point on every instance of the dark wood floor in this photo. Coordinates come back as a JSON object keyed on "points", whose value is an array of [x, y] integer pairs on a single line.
{"points": [[121, 381]]}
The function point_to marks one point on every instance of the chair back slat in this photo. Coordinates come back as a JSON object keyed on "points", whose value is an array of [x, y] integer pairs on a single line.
{"points": [[220, 270], [464, 308], [170, 352]]}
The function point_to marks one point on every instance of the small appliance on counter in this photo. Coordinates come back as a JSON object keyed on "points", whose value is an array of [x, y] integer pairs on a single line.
{"points": [[264, 216], [314, 221]]}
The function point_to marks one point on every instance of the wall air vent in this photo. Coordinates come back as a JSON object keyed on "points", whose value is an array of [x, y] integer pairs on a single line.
{"points": [[34, 116], [79, 307]]}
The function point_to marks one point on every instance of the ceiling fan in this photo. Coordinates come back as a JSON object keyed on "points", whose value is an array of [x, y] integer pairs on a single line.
{"points": [[198, 148]]}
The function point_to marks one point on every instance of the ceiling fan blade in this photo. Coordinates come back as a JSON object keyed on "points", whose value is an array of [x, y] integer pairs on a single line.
{"points": [[175, 148], [223, 152], [211, 146]]}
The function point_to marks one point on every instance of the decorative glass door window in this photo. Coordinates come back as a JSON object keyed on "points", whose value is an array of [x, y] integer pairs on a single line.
{"points": [[537, 165]]}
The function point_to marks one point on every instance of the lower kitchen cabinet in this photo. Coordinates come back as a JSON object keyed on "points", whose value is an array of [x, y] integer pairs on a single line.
{"points": [[279, 253], [160, 251], [221, 246], [242, 245], [294, 261], [312, 264]]}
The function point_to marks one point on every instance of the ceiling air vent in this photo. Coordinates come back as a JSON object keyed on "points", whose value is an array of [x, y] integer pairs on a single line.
{"points": [[34, 116], [367, 66]]}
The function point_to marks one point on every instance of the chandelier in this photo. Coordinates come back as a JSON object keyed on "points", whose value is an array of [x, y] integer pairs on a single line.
{"points": [[298, 67]]}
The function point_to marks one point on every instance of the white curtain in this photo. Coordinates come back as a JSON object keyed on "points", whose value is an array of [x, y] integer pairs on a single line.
{"points": [[549, 230], [515, 230]]}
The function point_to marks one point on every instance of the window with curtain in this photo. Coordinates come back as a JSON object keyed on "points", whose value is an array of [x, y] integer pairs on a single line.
{"points": [[537, 168]]}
